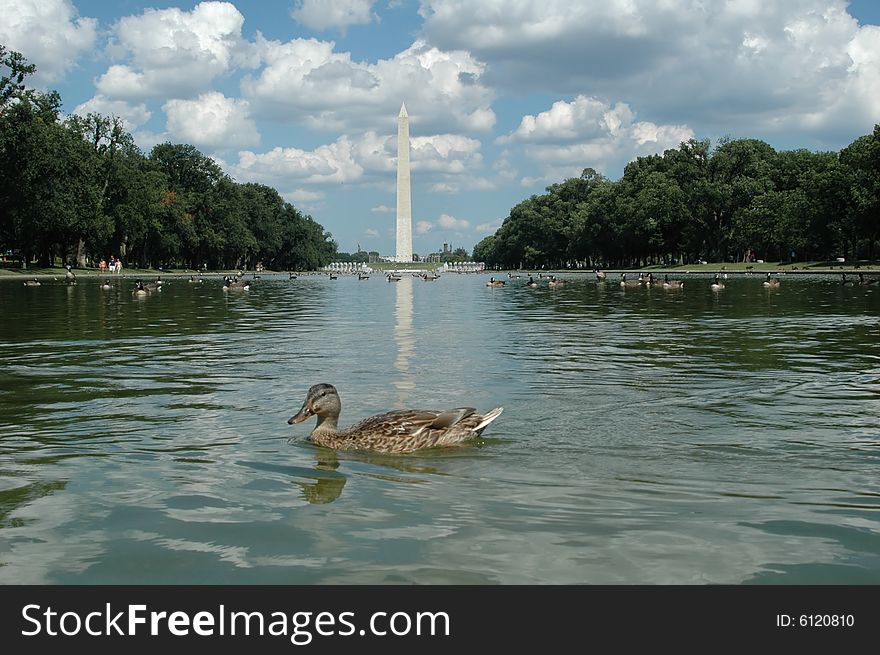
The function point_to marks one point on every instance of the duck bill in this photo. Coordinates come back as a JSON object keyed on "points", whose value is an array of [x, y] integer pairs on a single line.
{"points": [[304, 413]]}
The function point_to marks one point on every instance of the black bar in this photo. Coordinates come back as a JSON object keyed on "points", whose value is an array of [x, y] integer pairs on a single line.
{"points": [[515, 617]]}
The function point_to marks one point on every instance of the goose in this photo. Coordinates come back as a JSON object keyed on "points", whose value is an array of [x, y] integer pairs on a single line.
{"points": [[717, 285], [554, 283], [672, 284], [531, 283], [629, 283], [234, 284], [771, 282], [32, 283], [154, 286], [495, 283]]}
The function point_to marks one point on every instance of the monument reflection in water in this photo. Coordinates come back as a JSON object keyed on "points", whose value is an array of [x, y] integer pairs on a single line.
{"points": [[404, 337]]}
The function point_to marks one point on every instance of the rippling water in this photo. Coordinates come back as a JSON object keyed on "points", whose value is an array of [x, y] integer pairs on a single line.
{"points": [[648, 436]]}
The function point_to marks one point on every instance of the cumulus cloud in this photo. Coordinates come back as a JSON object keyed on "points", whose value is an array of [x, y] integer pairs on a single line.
{"points": [[382, 209], [447, 153], [132, 115], [365, 159], [588, 132], [423, 227], [338, 14], [301, 195], [328, 164], [49, 33], [370, 232], [212, 120], [488, 228], [733, 66], [307, 81], [175, 53], [448, 222]]}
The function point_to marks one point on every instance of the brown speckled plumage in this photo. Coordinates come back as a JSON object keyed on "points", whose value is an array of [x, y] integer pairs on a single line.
{"points": [[400, 431]]}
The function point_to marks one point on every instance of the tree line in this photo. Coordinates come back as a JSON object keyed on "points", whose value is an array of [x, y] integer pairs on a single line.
{"points": [[79, 189], [738, 201]]}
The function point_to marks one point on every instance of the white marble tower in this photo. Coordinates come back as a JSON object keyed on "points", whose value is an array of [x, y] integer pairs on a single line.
{"points": [[404, 196]]}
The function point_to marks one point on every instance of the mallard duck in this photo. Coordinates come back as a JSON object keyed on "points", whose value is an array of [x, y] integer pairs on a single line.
{"points": [[717, 285], [400, 431], [531, 283], [771, 282], [495, 283], [672, 284], [32, 283], [554, 283]]}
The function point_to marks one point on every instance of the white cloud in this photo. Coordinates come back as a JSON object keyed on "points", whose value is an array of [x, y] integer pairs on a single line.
{"points": [[132, 115], [423, 227], [382, 209], [448, 222], [307, 81], [488, 228], [49, 33], [212, 120], [571, 136], [735, 67], [175, 53], [329, 164], [370, 232], [339, 14], [302, 195], [446, 153]]}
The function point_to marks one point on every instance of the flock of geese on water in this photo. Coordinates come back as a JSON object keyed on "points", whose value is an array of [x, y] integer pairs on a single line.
{"points": [[238, 282], [650, 281]]}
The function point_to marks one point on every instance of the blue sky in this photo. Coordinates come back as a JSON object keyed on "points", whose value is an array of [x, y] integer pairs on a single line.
{"points": [[504, 97]]}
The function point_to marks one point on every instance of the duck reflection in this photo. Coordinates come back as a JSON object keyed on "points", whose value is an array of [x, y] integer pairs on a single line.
{"points": [[326, 488]]}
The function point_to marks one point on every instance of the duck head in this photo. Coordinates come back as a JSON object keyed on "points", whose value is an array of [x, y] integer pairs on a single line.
{"points": [[322, 400]]}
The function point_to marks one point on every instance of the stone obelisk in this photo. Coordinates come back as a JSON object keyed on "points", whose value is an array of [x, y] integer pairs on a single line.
{"points": [[404, 197]]}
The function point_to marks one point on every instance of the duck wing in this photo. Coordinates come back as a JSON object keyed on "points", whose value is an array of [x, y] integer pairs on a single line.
{"points": [[409, 423]]}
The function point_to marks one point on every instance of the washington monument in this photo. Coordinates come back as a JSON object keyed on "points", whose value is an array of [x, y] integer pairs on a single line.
{"points": [[404, 197]]}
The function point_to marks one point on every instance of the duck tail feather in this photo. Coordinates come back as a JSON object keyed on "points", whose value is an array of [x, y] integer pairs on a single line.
{"points": [[488, 418]]}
